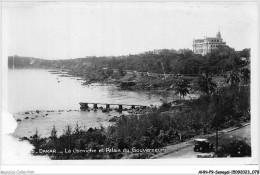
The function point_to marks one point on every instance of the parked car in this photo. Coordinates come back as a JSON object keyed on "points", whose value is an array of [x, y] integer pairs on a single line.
{"points": [[203, 145]]}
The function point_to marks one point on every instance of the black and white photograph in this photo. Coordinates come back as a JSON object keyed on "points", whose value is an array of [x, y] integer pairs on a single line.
{"points": [[172, 81]]}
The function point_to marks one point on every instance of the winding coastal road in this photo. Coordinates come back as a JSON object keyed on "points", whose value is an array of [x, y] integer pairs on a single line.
{"points": [[185, 149]]}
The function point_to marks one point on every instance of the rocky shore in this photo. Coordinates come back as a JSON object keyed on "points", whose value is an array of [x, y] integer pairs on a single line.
{"points": [[132, 82], [31, 115]]}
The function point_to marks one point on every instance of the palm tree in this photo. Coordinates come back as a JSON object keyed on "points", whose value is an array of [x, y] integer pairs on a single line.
{"points": [[181, 88], [245, 75], [206, 85], [53, 133], [234, 79]]}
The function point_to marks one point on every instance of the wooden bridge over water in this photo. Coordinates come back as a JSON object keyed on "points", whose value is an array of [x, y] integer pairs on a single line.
{"points": [[84, 105]]}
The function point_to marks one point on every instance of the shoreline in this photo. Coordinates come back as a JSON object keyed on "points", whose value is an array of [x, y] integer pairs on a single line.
{"points": [[99, 116], [141, 85], [129, 122], [149, 153], [33, 115], [166, 116]]}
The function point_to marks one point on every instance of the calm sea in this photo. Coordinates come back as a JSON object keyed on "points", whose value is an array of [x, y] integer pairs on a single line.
{"points": [[34, 89]]}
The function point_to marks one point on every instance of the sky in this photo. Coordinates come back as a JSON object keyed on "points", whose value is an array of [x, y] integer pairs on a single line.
{"points": [[63, 30]]}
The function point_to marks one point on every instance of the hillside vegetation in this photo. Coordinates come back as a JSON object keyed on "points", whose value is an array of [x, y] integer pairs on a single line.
{"points": [[166, 61], [222, 104]]}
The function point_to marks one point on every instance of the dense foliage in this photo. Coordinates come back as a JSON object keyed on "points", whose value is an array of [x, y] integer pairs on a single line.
{"points": [[217, 107], [152, 130], [182, 88], [237, 148], [183, 61]]}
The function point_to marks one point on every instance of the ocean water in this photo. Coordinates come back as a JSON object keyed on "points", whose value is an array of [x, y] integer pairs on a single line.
{"points": [[36, 89]]}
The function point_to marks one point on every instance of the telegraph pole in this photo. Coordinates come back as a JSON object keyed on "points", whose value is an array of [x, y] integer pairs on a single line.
{"points": [[13, 62], [216, 119]]}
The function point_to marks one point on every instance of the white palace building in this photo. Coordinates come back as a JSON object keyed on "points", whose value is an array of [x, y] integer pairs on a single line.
{"points": [[206, 45]]}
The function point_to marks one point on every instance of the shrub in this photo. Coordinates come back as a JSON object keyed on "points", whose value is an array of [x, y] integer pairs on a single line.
{"points": [[156, 129], [237, 148]]}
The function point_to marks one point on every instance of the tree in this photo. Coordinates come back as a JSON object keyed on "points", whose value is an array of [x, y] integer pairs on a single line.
{"points": [[245, 53], [215, 120], [235, 148], [206, 85], [53, 133], [192, 65], [77, 130], [181, 88], [234, 79], [67, 131], [67, 134], [245, 75], [36, 140]]}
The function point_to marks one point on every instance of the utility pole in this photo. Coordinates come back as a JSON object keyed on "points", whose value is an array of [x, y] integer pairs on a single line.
{"points": [[13, 62], [216, 119]]}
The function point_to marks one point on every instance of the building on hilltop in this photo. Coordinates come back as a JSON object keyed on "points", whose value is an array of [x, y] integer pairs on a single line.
{"points": [[206, 45]]}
